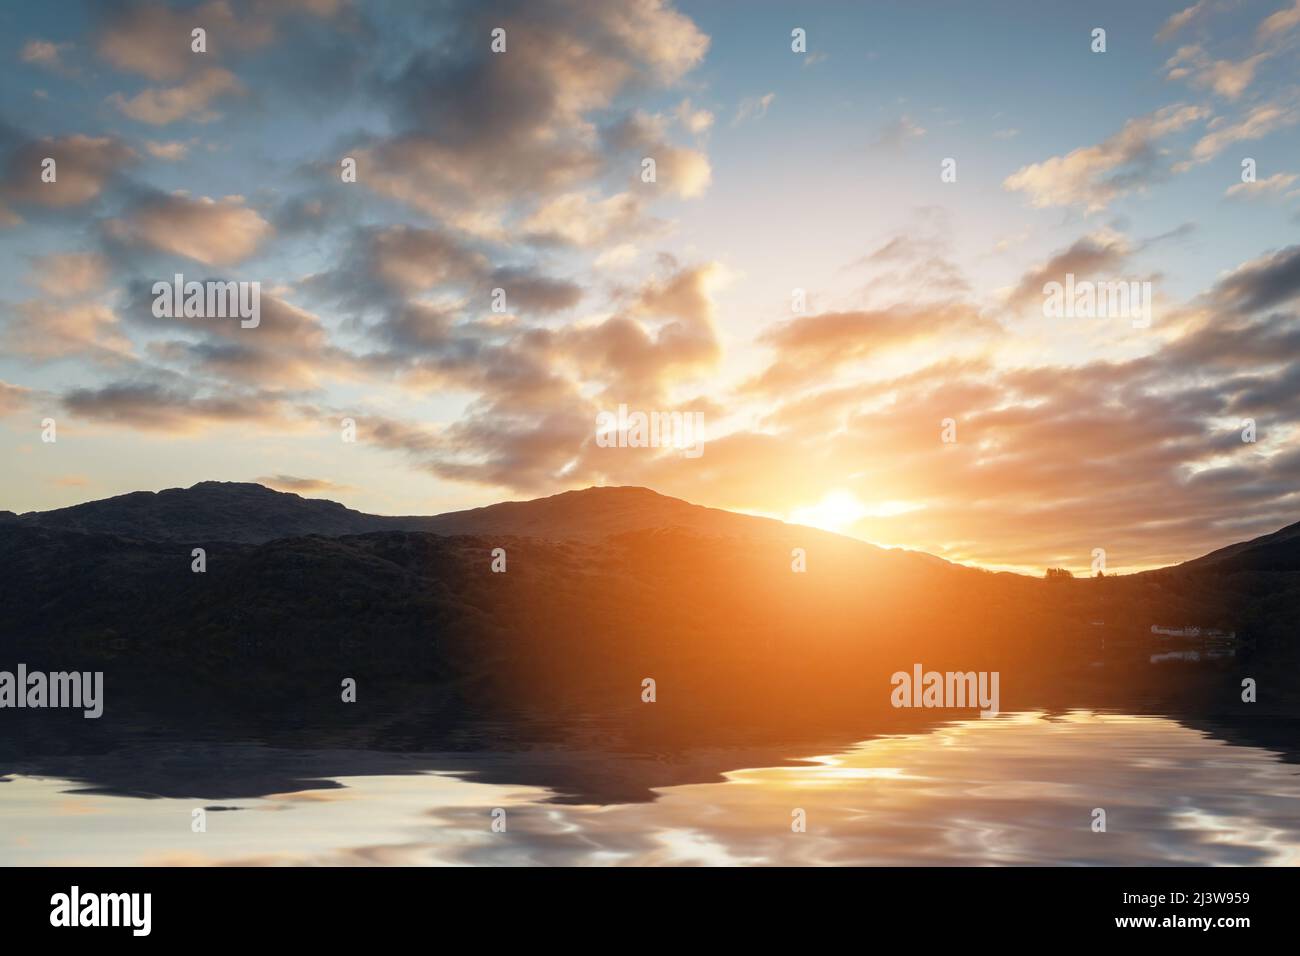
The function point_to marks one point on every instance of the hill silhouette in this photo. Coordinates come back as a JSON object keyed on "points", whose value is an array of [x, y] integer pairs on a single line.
{"points": [[1278, 551], [252, 513], [603, 588], [211, 511]]}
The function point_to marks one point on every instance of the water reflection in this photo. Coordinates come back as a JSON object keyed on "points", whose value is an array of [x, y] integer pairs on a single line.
{"points": [[1018, 789]]}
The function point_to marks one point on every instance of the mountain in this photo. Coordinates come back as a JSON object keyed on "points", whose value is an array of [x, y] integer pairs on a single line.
{"points": [[208, 511], [595, 513], [249, 513], [1279, 551], [253, 514], [280, 567], [604, 589]]}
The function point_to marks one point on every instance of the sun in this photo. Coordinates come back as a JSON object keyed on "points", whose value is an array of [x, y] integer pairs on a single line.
{"points": [[838, 511]]}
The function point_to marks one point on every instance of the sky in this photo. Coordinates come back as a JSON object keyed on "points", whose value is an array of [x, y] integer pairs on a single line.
{"points": [[840, 261]]}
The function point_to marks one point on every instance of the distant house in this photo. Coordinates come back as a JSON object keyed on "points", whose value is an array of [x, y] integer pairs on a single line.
{"points": [[1188, 631], [1175, 656], [1209, 652], [1204, 634]]}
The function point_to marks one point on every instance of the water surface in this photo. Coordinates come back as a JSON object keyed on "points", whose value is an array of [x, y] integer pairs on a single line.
{"points": [[1016, 789]]}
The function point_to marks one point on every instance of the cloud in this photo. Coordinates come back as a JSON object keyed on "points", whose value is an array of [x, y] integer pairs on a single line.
{"points": [[919, 260], [1094, 176], [617, 256], [290, 350], [529, 291], [210, 231], [411, 259], [302, 485], [45, 54], [46, 331], [695, 121], [382, 267], [899, 247], [1019, 486], [812, 348], [14, 399], [169, 152], [665, 331], [1280, 22], [681, 171], [1263, 188], [1230, 79], [1098, 253], [753, 108], [504, 448], [898, 132], [65, 323], [685, 172], [1262, 283], [1226, 78], [154, 40], [1259, 122], [69, 275], [159, 107], [482, 137], [585, 220], [174, 408], [393, 434], [530, 424], [1181, 19], [84, 166]]}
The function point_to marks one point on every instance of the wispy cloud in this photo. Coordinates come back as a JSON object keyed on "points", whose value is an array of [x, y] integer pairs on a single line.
{"points": [[753, 108], [1094, 176]]}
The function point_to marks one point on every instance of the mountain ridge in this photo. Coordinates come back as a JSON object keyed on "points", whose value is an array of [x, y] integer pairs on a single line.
{"points": [[1276, 551], [252, 513], [603, 587]]}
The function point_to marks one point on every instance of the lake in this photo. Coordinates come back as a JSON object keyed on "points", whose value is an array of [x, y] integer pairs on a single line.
{"points": [[1016, 789]]}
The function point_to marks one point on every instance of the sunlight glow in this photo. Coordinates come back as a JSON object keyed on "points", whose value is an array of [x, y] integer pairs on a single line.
{"points": [[840, 510]]}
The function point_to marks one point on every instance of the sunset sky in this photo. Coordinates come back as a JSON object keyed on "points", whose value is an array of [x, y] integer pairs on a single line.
{"points": [[776, 171]]}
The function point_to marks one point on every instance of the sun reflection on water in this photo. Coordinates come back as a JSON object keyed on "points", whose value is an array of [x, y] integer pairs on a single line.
{"points": [[1018, 789]]}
